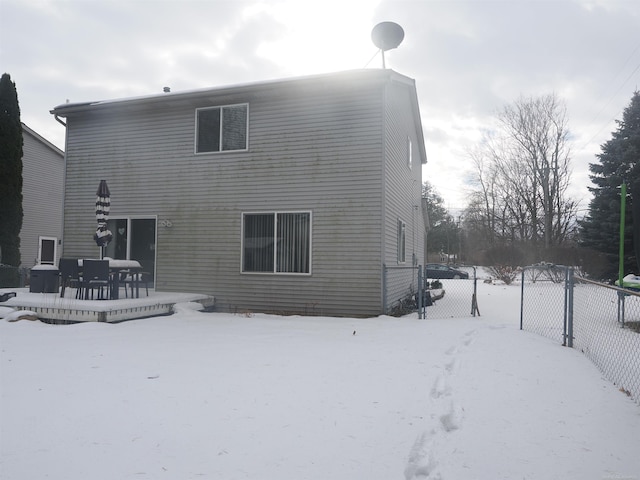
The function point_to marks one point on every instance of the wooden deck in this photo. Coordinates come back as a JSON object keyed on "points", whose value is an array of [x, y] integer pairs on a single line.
{"points": [[50, 307]]}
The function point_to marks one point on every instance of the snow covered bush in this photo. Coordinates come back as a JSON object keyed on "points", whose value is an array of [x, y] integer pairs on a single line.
{"points": [[506, 273]]}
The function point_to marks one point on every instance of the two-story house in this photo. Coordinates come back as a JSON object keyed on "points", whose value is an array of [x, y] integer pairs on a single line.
{"points": [[293, 196], [42, 193]]}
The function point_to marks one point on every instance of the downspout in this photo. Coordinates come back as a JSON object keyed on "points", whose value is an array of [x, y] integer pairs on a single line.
{"points": [[64, 179], [64, 125]]}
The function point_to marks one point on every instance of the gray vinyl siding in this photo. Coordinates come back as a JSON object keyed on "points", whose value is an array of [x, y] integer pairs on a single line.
{"points": [[42, 191], [308, 151], [403, 190]]}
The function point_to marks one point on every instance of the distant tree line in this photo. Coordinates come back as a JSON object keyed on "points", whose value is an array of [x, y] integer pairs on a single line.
{"points": [[519, 211]]}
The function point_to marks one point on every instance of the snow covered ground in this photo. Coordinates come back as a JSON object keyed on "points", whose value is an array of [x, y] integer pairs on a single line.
{"points": [[220, 396]]}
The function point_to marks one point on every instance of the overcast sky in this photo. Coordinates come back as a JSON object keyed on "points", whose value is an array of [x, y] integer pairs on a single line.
{"points": [[469, 59]]}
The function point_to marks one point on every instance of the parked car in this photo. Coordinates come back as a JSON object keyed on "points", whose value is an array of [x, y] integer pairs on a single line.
{"points": [[437, 270]]}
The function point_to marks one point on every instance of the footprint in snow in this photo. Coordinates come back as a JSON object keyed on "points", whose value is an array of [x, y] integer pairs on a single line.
{"points": [[452, 420], [440, 388], [469, 337], [452, 366], [452, 350], [421, 464]]}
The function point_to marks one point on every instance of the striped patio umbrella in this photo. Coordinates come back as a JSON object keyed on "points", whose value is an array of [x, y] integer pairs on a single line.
{"points": [[103, 203]]}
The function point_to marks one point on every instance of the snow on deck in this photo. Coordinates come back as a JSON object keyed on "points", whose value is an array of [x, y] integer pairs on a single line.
{"points": [[51, 306]]}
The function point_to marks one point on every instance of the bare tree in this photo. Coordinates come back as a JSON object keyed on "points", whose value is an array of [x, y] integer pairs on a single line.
{"points": [[523, 172], [539, 132], [481, 211]]}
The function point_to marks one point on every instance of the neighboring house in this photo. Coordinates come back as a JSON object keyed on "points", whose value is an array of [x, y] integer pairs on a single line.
{"points": [[294, 196], [42, 197]]}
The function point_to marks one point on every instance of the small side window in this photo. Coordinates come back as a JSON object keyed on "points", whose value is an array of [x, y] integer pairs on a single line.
{"points": [[402, 241]]}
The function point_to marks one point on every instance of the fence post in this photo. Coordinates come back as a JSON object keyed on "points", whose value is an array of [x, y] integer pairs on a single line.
{"points": [[425, 282], [565, 334], [570, 307], [384, 289], [474, 296], [522, 297], [420, 293], [621, 297]]}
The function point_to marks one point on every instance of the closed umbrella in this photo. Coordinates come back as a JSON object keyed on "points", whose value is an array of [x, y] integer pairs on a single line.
{"points": [[103, 203]]}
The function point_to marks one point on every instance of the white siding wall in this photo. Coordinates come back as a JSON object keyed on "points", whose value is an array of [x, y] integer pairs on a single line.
{"points": [[311, 149], [42, 192]]}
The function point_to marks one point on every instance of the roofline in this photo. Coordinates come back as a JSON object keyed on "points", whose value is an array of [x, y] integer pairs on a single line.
{"points": [[371, 74], [43, 140], [66, 108]]}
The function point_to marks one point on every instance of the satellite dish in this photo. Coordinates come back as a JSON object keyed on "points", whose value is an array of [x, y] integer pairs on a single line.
{"points": [[386, 36]]}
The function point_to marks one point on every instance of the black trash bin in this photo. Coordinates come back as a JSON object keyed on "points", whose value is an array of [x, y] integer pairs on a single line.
{"points": [[44, 279]]}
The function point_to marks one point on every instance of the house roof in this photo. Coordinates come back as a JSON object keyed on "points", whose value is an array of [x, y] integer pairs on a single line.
{"points": [[187, 96], [41, 139]]}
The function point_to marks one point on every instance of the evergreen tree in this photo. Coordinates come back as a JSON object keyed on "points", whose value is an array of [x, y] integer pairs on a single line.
{"points": [[443, 234], [435, 204], [10, 173], [619, 162]]}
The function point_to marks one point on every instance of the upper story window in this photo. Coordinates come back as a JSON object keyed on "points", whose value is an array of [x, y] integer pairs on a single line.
{"points": [[221, 129], [409, 153]]}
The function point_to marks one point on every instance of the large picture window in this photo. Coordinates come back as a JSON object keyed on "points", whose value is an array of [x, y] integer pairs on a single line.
{"points": [[277, 242], [220, 129]]}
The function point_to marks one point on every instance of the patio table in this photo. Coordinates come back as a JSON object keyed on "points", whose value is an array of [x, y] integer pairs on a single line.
{"points": [[116, 267]]}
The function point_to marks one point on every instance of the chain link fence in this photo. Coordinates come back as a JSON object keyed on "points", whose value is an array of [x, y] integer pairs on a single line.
{"points": [[544, 296], [602, 321], [451, 298], [438, 298], [399, 287], [13, 277]]}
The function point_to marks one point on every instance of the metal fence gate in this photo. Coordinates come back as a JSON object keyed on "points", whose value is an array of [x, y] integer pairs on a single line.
{"points": [[431, 298], [600, 320]]}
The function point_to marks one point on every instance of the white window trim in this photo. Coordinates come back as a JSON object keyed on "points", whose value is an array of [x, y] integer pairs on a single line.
{"points": [[195, 135], [275, 213], [55, 249], [129, 218], [409, 153]]}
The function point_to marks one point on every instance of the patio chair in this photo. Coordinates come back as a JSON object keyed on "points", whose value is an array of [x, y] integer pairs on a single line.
{"points": [[95, 275], [133, 279], [70, 276]]}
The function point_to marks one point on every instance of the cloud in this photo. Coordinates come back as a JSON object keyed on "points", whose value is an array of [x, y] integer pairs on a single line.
{"points": [[469, 58]]}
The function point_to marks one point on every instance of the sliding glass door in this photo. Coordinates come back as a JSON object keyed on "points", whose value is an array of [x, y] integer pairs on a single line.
{"points": [[134, 239]]}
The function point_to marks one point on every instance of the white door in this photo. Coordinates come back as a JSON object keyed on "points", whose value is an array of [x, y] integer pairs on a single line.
{"points": [[47, 250]]}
